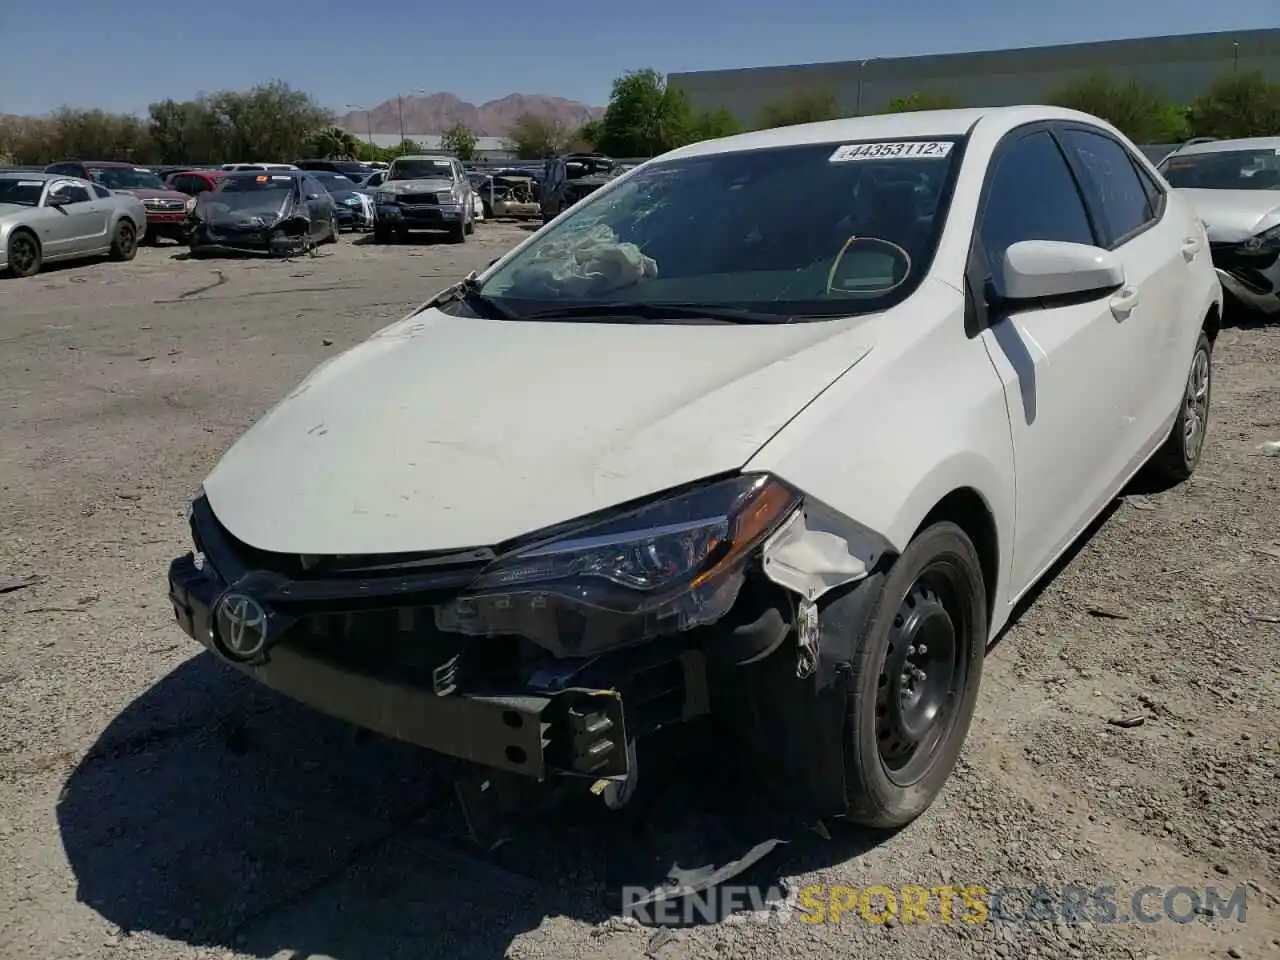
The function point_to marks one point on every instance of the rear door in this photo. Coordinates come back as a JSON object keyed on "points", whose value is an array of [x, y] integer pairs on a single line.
{"points": [[1157, 252], [1063, 367]]}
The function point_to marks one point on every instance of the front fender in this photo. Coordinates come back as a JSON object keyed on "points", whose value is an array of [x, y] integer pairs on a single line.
{"points": [[922, 416]]}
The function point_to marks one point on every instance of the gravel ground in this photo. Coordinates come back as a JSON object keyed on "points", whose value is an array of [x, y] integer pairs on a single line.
{"points": [[155, 805]]}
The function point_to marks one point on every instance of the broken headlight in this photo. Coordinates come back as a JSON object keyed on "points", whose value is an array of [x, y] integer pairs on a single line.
{"points": [[671, 565]]}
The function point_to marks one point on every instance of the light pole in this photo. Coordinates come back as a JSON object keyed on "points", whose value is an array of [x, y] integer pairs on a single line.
{"points": [[862, 69], [1235, 57], [400, 106]]}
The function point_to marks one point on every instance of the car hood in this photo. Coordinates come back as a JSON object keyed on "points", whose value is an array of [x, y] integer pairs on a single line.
{"points": [[1233, 215], [431, 185], [153, 193], [444, 432], [13, 209]]}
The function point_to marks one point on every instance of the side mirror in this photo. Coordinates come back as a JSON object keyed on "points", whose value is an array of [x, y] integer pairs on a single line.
{"points": [[58, 200], [313, 196], [1053, 270]]}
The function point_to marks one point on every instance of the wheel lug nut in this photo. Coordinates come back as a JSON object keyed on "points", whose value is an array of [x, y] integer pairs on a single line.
{"points": [[922, 649]]}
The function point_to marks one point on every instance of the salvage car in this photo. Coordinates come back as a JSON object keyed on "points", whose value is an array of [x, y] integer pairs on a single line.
{"points": [[740, 451], [355, 209], [45, 218], [167, 209], [511, 195], [567, 179], [192, 183], [281, 214], [1235, 187], [424, 192]]}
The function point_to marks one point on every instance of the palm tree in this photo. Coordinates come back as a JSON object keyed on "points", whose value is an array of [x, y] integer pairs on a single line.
{"points": [[335, 142]]}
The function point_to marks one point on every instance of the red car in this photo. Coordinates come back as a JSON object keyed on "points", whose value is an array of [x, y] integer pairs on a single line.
{"points": [[166, 209], [194, 182]]}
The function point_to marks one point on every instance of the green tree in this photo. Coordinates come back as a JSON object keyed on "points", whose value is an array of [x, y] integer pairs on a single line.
{"points": [[712, 124], [645, 116], [334, 143], [460, 141], [921, 100], [1140, 112], [1237, 105], [186, 131], [532, 137], [805, 106]]}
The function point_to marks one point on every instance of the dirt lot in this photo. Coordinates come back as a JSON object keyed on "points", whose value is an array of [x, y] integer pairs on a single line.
{"points": [[154, 805]]}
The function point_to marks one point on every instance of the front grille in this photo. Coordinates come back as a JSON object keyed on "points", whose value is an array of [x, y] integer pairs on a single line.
{"points": [[419, 199], [165, 206]]}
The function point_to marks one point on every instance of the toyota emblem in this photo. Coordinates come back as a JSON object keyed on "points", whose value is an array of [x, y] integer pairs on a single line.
{"points": [[241, 626]]}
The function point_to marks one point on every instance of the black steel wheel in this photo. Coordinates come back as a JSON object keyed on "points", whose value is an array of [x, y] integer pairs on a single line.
{"points": [[24, 254], [1177, 459], [381, 234], [916, 669], [124, 243]]}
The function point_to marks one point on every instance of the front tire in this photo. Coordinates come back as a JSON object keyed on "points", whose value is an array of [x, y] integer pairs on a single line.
{"points": [[124, 243], [381, 234], [1177, 459], [24, 256], [333, 229], [916, 669]]}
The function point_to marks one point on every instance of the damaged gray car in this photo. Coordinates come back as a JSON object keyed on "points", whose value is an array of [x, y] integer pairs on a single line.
{"points": [[280, 213]]}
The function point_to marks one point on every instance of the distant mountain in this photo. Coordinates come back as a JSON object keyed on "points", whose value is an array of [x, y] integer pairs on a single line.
{"points": [[438, 112]]}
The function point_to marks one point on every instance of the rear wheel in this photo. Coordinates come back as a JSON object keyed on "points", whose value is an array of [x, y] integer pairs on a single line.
{"points": [[24, 254], [1176, 460], [124, 243], [917, 666]]}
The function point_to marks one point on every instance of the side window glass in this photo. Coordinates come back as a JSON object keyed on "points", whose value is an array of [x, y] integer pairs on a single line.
{"points": [[65, 192], [1112, 183], [1155, 195], [101, 191], [1033, 196]]}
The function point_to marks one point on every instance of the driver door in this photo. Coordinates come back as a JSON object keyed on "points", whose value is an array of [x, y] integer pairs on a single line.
{"points": [[1066, 368], [79, 222]]}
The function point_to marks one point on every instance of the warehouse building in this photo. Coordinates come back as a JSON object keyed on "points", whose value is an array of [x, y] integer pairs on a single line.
{"points": [[487, 148], [1181, 67]]}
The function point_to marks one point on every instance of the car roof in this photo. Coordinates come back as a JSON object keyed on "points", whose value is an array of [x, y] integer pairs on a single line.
{"points": [[33, 175], [888, 126], [1224, 146], [425, 156], [247, 174]]}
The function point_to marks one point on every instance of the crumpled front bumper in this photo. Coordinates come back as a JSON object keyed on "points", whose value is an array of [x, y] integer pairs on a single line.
{"points": [[1252, 277], [275, 240]]}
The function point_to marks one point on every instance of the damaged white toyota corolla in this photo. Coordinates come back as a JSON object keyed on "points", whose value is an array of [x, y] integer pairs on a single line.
{"points": [[775, 428]]}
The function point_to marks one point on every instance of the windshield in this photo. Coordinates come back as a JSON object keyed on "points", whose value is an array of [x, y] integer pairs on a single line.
{"points": [[335, 181], [261, 193], [126, 178], [25, 193], [1257, 169], [421, 169], [814, 230]]}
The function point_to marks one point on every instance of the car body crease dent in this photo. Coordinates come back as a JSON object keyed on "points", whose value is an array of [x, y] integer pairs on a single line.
{"points": [[815, 551]]}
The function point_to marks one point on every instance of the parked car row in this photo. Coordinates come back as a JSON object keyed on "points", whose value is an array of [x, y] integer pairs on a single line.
{"points": [[867, 429]]}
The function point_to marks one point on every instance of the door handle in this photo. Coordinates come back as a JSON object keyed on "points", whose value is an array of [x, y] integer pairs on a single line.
{"points": [[1123, 303], [1190, 247]]}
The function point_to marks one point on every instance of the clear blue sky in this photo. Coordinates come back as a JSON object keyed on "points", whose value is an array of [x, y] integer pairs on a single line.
{"points": [[124, 54]]}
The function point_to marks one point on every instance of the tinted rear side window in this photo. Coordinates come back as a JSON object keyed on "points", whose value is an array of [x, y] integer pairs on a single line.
{"points": [[1033, 196], [1113, 184]]}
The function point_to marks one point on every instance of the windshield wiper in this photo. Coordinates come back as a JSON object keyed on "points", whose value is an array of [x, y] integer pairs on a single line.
{"points": [[467, 291], [657, 311]]}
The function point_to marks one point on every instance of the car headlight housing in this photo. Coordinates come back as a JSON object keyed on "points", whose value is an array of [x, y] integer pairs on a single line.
{"points": [[673, 564], [385, 196], [191, 204], [446, 196]]}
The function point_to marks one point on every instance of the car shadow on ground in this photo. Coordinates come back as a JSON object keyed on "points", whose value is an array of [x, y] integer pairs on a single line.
{"points": [[216, 813], [415, 239]]}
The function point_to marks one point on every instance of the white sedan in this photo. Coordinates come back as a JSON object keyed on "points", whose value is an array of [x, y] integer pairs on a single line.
{"points": [[777, 427]]}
